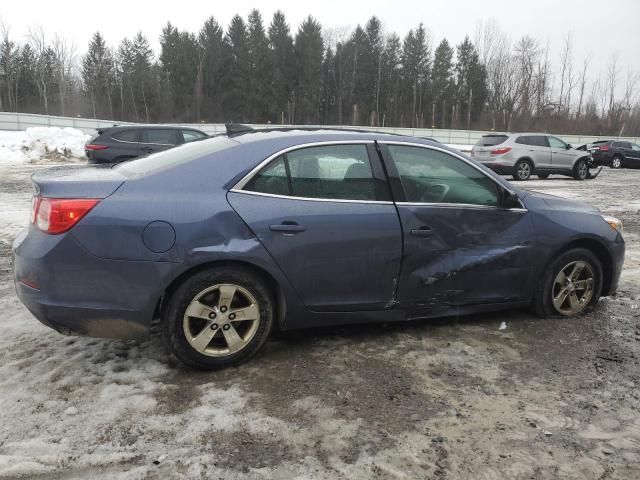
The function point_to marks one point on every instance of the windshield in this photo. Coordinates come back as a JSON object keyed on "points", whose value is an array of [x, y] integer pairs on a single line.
{"points": [[174, 156]]}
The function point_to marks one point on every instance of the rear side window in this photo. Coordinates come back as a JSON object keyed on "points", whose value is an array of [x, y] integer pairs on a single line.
{"points": [[174, 156], [538, 141], [334, 172], [431, 176], [491, 140], [192, 135], [622, 144], [131, 136], [160, 137]]}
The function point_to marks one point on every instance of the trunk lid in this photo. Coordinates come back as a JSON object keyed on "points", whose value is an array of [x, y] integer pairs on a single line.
{"points": [[77, 181]]}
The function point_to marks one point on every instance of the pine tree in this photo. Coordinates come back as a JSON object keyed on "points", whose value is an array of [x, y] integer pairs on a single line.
{"points": [[471, 87], [259, 85], [441, 81], [211, 68], [238, 70], [309, 51], [282, 62], [98, 75]]}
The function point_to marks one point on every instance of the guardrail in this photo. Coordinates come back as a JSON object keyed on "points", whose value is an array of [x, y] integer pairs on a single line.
{"points": [[22, 121]]}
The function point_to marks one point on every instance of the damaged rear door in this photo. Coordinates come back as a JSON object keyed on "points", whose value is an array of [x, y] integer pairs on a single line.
{"points": [[325, 214], [461, 246]]}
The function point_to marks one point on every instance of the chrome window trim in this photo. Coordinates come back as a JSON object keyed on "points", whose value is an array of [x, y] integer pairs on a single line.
{"points": [[460, 157], [311, 199], [461, 205], [244, 180]]}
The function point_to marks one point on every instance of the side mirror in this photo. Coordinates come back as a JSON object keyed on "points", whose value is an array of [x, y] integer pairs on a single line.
{"points": [[510, 200], [569, 147]]}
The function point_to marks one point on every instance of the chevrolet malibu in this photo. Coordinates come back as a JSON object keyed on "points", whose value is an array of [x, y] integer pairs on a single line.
{"points": [[231, 237]]}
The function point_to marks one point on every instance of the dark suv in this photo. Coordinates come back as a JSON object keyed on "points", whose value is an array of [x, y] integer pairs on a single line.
{"points": [[119, 143], [615, 153]]}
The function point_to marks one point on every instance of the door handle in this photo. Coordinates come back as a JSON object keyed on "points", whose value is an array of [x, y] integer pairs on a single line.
{"points": [[287, 227], [147, 149], [422, 232]]}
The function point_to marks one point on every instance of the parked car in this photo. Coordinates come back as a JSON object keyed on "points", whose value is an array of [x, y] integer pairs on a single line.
{"points": [[524, 154], [119, 143], [227, 238], [615, 153]]}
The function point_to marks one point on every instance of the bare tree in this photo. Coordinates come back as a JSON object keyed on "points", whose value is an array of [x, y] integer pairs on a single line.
{"points": [[628, 99], [65, 57], [583, 82], [611, 83]]}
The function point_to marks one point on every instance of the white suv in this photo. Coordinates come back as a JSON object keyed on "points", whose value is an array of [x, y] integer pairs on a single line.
{"points": [[526, 154]]}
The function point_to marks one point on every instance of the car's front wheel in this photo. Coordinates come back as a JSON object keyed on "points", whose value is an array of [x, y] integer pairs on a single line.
{"points": [[571, 283], [581, 170], [219, 318]]}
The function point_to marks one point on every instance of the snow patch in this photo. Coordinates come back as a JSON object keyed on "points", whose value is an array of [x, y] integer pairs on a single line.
{"points": [[42, 145]]}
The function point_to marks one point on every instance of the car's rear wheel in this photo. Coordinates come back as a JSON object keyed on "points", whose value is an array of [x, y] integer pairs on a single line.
{"points": [[616, 162], [219, 318], [571, 283], [581, 170], [523, 170]]}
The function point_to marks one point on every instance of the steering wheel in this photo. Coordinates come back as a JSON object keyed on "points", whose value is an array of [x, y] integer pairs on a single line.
{"points": [[435, 193]]}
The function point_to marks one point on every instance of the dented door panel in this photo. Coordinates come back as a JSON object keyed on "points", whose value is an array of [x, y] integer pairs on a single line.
{"points": [[472, 256]]}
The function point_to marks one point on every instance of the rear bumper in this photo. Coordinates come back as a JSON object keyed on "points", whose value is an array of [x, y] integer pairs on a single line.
{"points": [[68, 289]]}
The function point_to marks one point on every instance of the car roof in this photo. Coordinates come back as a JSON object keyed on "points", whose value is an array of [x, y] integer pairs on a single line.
{"points": [[303, 135], [150, 127]]}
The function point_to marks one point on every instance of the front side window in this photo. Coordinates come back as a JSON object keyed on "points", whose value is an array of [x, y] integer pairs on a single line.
{"points": [[556, 143], [161, 137], [334, 172], [431, 176], [635, 146]]}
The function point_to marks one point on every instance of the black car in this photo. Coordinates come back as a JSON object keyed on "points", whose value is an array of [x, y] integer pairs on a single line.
{"points": [[119, 143], [615, 153]]}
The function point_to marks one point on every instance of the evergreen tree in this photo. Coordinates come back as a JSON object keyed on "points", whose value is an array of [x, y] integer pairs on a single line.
{"points": [[98, 75], [211, 68], [238, 69], [415, 72], [441, 81], [258, 88], [309, 52], [471, 83], [282, 62]]}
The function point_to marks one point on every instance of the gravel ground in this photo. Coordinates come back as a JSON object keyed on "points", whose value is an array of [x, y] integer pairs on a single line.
{"points": [[455, 399]]}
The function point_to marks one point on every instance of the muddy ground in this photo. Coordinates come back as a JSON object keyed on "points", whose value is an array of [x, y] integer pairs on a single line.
{"points": [[449, 399]]}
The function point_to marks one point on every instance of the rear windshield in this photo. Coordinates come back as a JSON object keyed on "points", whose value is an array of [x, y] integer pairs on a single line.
{"points": [[491, 140], [174, 156]]}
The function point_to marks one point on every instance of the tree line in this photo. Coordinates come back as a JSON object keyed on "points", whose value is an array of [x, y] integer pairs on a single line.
{"points": [[257, 73]]}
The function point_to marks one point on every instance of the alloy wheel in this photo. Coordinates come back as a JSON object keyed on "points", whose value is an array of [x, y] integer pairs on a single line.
{"points": [[573, 288], [583, 170], [524, 171], [616, 163], [221, 320]]}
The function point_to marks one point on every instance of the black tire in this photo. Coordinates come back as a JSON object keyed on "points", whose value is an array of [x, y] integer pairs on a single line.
{"points": [[543, 176], [522, 170], [543, 296], [616, 162], [190, 289], [581, 169]]}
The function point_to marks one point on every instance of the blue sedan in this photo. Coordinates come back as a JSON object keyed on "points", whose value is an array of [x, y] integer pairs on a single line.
{"points": [[227, 238]]}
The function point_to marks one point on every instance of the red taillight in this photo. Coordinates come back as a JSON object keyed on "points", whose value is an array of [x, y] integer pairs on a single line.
{"points": [[604, 148], [57, 215], [94, 147], [500, 151]]}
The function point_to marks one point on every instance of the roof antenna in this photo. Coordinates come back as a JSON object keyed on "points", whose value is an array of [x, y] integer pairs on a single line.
{"points": [[237, 128]]}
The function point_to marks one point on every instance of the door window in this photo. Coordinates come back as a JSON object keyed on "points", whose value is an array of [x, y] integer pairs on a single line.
{"points": [[161, 137], [556, 143], [431, 176], [635, 146], [340, 172], [130, 136]]}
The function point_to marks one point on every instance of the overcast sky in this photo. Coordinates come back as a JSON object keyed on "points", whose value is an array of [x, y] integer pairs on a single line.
{"points": [[599, 27]]}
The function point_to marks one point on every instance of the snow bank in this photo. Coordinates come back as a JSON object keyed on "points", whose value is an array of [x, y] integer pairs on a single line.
{"points": [[42, 144]]}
